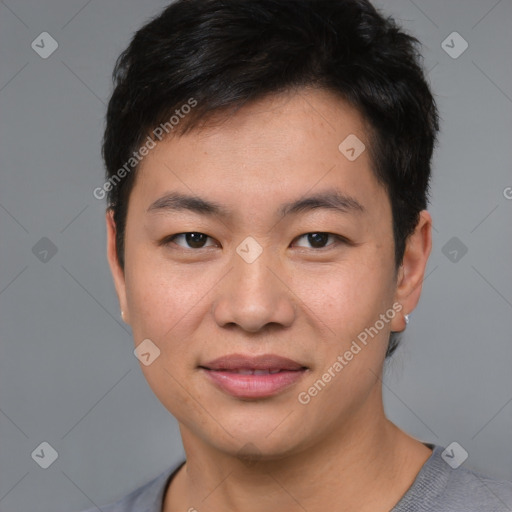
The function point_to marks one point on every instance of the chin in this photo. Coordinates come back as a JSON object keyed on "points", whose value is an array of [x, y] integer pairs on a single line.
{"points": [[262, 441]]}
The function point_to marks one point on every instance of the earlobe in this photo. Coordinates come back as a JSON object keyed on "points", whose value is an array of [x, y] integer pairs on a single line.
{"points": [[115, 267], [412, 271]]}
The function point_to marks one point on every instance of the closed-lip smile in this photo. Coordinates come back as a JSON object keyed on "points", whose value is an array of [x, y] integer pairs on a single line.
{"points": [[254, 377]]}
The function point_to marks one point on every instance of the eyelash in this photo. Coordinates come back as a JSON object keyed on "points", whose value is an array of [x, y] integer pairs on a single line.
{"points": [[338, 240]]}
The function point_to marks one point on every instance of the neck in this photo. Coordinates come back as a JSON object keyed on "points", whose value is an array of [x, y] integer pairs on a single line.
{"points": [[365, 466]]}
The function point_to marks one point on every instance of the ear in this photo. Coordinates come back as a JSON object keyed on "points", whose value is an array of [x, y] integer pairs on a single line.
{"points": [[412, 271], [115, 267]]}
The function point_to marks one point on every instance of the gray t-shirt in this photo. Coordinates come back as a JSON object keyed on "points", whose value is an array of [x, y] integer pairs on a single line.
{"points": [[437, 488]]}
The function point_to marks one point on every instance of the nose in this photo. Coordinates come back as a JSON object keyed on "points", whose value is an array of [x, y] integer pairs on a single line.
{"points": [[254, 295]]}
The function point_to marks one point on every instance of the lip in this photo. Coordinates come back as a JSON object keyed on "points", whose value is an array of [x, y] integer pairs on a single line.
{"points": [[223, 372], [262, 362]]}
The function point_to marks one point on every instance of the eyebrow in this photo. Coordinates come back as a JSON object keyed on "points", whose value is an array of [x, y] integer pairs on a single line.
{"points": [[331, 199]]}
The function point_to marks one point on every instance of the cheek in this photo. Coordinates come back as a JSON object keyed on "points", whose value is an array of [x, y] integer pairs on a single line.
{"points": [[346, 297], [349, 302], [158, 295], [163, 306], [161, 310], [168, 304]]}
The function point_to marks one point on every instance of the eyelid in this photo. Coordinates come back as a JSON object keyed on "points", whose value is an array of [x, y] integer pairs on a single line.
{"points": [[339, 239], [168, 240]]}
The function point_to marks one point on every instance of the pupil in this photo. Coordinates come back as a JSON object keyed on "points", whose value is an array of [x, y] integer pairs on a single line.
{"points": [[317, 239], [195, 240]]}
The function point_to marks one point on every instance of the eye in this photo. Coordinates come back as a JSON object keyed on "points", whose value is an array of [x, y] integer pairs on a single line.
{"points": [[318, 240], [194, 239]]}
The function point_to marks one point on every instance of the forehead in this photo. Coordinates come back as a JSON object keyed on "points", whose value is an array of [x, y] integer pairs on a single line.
{"points": [[284, 145]]}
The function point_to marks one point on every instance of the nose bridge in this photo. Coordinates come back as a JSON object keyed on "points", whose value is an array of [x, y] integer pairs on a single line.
{"points": [[251, 269], [252, 296]]}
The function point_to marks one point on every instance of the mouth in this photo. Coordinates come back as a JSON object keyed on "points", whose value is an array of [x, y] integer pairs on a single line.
{"points": [[250, 371], [253, 377]]}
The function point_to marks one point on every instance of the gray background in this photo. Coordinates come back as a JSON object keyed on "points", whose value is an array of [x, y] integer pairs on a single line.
{"points": [[67, 372]]}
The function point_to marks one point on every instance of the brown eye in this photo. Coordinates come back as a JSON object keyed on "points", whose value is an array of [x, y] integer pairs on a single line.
{"points": [[193, 239], [318, 240]]}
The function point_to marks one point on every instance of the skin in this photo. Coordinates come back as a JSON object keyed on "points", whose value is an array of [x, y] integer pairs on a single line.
{"points": [[297, 300]]}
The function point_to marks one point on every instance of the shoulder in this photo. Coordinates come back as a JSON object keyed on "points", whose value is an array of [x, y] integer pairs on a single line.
{"points": [[147, 498], [439, 487], [471, 491]]}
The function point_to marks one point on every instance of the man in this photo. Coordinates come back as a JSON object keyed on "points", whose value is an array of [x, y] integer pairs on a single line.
{"points": [[268, 166]]}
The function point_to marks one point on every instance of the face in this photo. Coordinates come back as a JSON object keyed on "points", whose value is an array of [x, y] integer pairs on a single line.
{"points": [[259, 261]]}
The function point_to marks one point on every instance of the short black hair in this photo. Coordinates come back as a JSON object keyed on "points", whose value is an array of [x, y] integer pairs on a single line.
{"points": [[221, 54]]}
